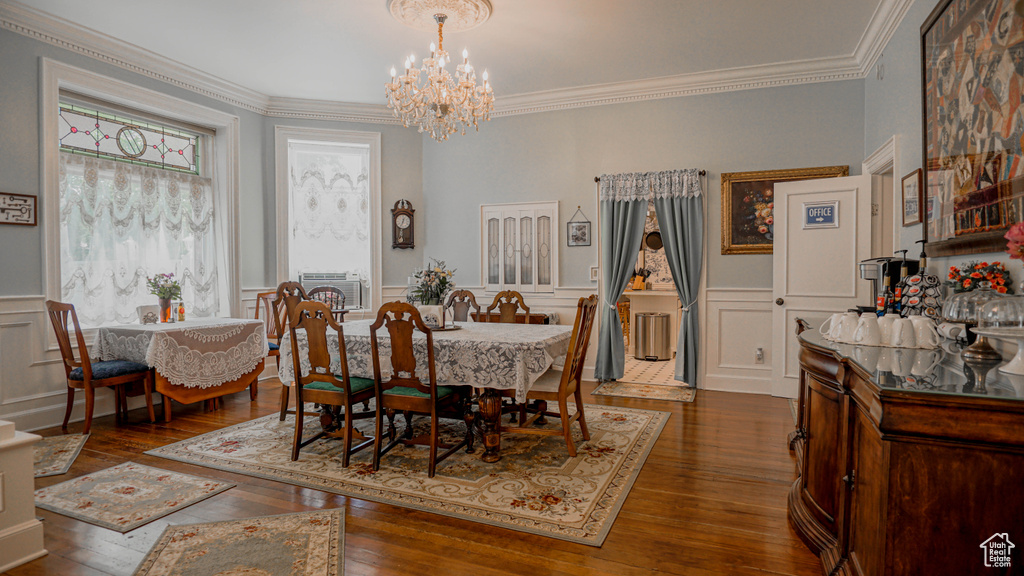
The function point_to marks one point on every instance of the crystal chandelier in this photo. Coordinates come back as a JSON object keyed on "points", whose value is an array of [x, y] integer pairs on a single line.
{"points": [[442, 105]]}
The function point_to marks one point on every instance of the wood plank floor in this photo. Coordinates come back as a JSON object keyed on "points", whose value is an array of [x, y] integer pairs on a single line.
{"points": [[711, 499]]}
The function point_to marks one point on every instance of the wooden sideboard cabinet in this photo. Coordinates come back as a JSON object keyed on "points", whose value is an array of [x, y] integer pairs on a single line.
{"points": [[905, 475]]}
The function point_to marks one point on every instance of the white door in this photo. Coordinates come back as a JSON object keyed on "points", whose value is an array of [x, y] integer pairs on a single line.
{"points": [[815, 269]]}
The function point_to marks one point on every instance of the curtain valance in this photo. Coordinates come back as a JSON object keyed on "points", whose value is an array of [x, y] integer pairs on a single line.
{"points": [[650, 185]]}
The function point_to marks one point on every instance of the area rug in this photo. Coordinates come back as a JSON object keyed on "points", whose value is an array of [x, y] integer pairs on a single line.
{"points": [[306, 543], [55, 454], [535, 487], [649, 372], [126, 496], [645, 391]]}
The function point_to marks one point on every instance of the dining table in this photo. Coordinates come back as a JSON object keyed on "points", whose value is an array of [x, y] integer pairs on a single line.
{"points": [[193, 360], [499, 360]]}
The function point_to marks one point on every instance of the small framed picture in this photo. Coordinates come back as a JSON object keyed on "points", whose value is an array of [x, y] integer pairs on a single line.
{"points": [[912, 199], [595, 273], [578, 234], [17, 209]]}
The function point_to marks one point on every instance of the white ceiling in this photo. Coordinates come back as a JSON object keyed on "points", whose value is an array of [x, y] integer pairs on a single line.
{"points": [[341, 50]]}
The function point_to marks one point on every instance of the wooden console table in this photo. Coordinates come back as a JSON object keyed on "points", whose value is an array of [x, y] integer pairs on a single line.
{"points": [[905, 475]]}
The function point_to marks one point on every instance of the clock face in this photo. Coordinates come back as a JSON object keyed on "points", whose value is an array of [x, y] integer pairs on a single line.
{"points": [[403, 221]]}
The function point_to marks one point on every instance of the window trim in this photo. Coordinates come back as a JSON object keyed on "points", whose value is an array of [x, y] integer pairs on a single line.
{"points": [[56, 76], [281, 136]]}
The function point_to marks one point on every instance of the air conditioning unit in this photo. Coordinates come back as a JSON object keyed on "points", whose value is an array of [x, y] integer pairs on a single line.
{"points": [[347, 282]]}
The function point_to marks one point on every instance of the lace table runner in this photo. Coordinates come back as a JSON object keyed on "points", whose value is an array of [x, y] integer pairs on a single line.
{"points": [[484, 355], [195, 354]]}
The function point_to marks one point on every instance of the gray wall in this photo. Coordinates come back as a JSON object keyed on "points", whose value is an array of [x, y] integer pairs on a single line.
{"points": [[555, 156], [892, 105]]}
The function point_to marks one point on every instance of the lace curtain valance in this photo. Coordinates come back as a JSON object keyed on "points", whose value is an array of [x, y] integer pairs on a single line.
{"points": [[650, 185]]}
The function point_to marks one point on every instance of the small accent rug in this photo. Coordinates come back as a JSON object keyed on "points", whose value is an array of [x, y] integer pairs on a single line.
{"points": [[306, 544], [645, 391], [126, 496], [662, 372], [55, 454], [535, 487]]}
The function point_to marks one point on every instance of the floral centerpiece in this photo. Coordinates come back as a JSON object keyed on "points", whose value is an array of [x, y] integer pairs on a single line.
{"points": [[165, 288], [967, 276], [433, 283]]}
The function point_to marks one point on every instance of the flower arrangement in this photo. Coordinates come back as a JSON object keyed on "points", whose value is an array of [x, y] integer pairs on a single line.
{"points": [[433, 282], [1015, 244], [164, 286], [968, 276], [761, 210]]}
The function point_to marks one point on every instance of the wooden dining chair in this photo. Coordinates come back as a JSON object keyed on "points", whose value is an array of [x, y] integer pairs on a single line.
{"points": [[405, 392], [460, 302], [508, 303], [335, 393], [288, 294], [562, 386], [87, 375], [333, 297]]}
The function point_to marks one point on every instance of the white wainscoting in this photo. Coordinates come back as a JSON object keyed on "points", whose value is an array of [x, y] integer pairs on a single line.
{"points": [[737, 323]]}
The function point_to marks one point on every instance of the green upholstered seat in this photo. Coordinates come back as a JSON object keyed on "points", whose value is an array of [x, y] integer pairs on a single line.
{"points": [[356, 384], [442, 391]]}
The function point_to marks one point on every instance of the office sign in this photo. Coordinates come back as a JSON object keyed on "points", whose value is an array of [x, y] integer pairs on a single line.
{"points": [[821, 214]]}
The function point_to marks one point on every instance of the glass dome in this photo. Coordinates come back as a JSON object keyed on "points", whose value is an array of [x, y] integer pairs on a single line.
{"points": [[1007, 312], [965, 307]]}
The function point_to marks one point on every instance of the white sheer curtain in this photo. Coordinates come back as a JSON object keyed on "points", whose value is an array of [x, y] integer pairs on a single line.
{"points": [[120, 223], [329, 208]]}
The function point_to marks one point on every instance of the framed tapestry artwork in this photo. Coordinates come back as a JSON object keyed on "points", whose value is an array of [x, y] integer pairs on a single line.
{"points": [[972, 60], [911, 198], [748, 202], [17, 209]]}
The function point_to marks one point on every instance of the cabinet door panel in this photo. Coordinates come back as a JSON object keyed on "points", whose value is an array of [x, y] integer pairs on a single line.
{"points": [[867, 499], [821, 473]]}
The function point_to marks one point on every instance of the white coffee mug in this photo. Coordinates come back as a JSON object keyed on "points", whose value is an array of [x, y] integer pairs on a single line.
{"points": [[867, 357], [952, 331], [903, 334], [885, 328], [867, 333], [925, 362], [848, 327], [924, 332], [829, 325], [885, 357], [903, 361]]}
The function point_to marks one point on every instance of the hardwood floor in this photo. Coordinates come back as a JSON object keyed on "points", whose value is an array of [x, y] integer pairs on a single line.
{"points": [[711, 499]]}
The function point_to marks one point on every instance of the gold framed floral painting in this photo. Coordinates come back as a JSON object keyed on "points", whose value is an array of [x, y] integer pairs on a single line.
{"points": [[748, 205]]}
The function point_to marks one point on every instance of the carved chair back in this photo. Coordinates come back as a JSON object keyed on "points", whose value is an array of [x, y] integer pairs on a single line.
{"points": [[579, 342], [460, 302], [273, 313], [289, 293], [508, 302], [315, 318], [60, 314], [330, 295], [401, 321]]}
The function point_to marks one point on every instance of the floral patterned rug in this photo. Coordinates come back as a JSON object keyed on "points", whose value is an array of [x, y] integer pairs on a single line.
{"points": [[645, 391], [55, 454], [306, 543], [126, 496], [535, 487]]}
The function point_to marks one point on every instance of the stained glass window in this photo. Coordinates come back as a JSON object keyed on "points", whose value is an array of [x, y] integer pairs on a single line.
{"points": [[104, 135]]}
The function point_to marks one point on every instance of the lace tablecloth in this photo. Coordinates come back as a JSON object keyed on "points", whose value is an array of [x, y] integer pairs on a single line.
{"points": [[484, 355], [196, 354]]}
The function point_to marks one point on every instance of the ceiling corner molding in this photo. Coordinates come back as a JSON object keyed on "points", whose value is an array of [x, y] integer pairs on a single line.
{"points": [[883, 24], [727, 80], [330, 110], [28, 21]]}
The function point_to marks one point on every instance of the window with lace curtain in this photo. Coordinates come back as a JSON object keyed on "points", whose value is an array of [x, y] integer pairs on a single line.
{"points": [[134, 202]]}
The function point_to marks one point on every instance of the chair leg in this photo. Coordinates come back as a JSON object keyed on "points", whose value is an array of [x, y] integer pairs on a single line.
{"points": [[147, 385], [118, 405], [90, 399], [348, 436], [432, 463], [67, 411], [298, 426], [254, 390], [284, 402], [167, 408], [566, 428], [378, 428], [582, 419]]}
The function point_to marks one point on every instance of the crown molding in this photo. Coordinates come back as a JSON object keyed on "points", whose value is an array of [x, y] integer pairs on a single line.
{"points": [[22, 19]]}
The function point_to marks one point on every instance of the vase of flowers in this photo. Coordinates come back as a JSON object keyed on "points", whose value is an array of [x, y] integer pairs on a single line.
{"points": [[1015, 244], [967, 277], [166, 289], [432, 283]]}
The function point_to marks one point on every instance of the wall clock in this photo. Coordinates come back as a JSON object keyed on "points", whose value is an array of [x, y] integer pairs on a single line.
{"points": [[402, 225]]}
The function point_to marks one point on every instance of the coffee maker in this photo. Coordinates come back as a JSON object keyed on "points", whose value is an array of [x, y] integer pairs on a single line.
{"points": [[876, 270]]}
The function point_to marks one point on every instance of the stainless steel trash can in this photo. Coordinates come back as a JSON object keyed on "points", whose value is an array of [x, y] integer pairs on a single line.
{"points": [[652, 337]]}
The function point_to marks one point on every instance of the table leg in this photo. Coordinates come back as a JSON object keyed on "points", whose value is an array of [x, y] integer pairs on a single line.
{"points": [[490, 412]]}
